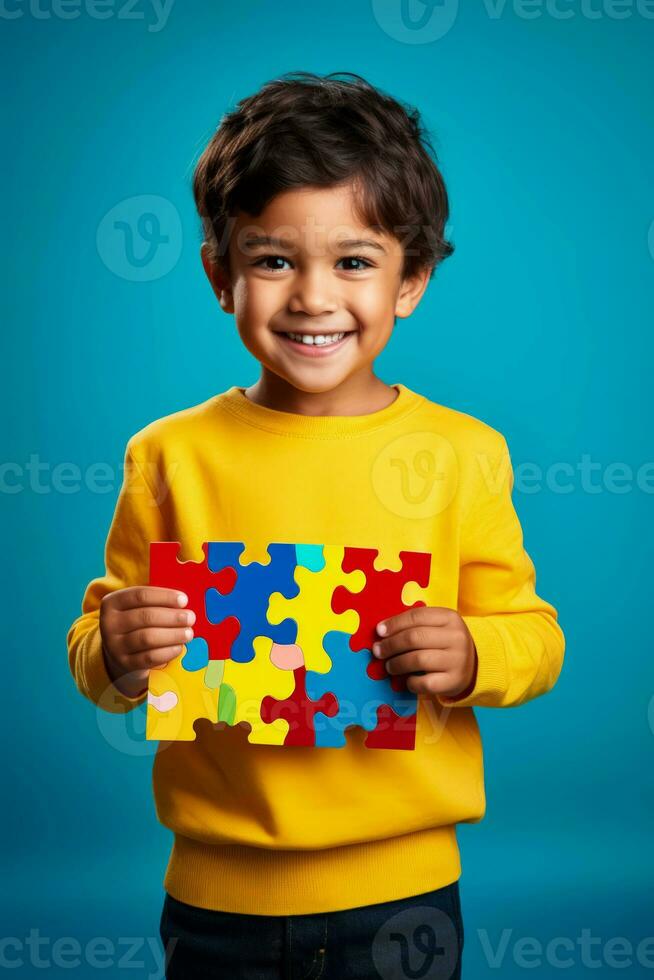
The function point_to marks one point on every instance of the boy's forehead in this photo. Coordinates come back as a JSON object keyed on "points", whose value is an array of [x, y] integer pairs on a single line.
{"points": [[310, 219]]}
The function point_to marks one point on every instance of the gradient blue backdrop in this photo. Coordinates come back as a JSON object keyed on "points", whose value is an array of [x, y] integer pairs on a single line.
{"points": [[539, 324]]}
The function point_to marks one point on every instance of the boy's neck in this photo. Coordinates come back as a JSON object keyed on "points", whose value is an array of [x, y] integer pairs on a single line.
{"points": [[357, 395]]}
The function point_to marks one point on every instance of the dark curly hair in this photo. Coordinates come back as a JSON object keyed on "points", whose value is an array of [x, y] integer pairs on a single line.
{"points": [[302, 130]]}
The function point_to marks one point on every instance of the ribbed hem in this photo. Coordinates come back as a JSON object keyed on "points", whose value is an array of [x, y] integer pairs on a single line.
{"points": [[266, 881], [235, 401], [492, 679]]}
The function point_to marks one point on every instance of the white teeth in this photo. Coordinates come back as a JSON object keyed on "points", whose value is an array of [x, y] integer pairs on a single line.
{"points": [[319, 339]]}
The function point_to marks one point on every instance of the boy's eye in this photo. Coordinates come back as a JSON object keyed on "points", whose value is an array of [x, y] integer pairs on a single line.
{"points": [[280, 258], [357, 258], [270, 258]]}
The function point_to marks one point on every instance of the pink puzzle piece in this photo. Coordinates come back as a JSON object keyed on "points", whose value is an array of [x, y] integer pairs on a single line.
{"points": [[287, 656]]}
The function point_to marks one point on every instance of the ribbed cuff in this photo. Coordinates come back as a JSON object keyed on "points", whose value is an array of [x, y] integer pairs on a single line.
{"points": [[492, 679], [98, 686]]}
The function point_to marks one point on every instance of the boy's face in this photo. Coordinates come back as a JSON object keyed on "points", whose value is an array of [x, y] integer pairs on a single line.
{"points": [[293, 270]]}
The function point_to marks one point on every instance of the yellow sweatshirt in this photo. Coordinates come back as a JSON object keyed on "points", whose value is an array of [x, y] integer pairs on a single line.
{"points": [[288, 830]]}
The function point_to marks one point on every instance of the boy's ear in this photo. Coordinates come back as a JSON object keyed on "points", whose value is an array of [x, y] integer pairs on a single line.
{"points": [[219, 280], [411, 292]]}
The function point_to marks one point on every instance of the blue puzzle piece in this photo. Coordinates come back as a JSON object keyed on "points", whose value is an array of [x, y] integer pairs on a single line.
{"points": [[358, 694], [249, 599], [197, 654]]}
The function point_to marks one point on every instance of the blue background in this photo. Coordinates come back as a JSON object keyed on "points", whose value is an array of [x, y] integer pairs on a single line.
{"points": [[539, 324]]}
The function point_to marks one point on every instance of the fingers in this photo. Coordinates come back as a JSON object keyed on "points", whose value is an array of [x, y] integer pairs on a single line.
{"points": [[416, 616], [428, 671], [415, 638], [153, 637], [434, 683], [146, 595], [418, 660], [144, 627], [142, 617], [157, 657]]}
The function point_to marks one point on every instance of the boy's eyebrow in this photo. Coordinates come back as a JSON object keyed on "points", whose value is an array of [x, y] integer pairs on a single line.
{"points": [[361, 243], [274, 242]]}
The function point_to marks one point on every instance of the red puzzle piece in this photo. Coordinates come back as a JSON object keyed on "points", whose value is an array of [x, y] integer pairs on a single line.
{"points": [[383, 590], [391, 731], [194, 578], [299, 711]]}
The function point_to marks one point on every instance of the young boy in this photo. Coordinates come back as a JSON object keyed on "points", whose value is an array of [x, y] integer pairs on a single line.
{"points": [[323, 221]]}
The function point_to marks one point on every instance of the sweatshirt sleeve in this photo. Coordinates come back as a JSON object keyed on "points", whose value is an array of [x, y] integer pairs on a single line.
{"points": [[520, 645], [137, 521]]}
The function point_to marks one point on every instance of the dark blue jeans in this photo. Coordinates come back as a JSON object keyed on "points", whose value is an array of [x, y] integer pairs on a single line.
{"points": [[417, 938]]}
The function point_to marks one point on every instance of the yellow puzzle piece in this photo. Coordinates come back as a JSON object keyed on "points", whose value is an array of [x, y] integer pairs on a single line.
{"points": [[251, 682], [312, 610], [176, 698]]}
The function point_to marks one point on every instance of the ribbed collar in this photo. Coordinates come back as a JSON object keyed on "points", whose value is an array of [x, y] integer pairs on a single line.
{"points": [[235, 400]]}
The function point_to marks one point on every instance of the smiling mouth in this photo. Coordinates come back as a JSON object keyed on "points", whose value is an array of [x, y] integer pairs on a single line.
{"points": [[317, 340], [316, 345]]}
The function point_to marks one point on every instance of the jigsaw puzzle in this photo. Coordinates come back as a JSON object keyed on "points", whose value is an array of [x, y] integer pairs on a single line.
{"points": [[285, 645]]}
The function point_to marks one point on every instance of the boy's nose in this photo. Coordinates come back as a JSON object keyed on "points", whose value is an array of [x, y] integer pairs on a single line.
{"points": [[313, 294]]}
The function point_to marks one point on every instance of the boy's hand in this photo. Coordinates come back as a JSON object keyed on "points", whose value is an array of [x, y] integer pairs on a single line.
{"points": [[142, 627], [434, 642]]}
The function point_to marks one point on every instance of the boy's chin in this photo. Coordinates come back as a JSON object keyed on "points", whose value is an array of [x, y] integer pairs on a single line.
{"points": [[313, 382]]}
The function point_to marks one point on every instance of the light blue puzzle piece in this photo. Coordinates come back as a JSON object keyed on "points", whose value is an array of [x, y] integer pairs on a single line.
{"points": [[310, 556], [197, 654]]}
